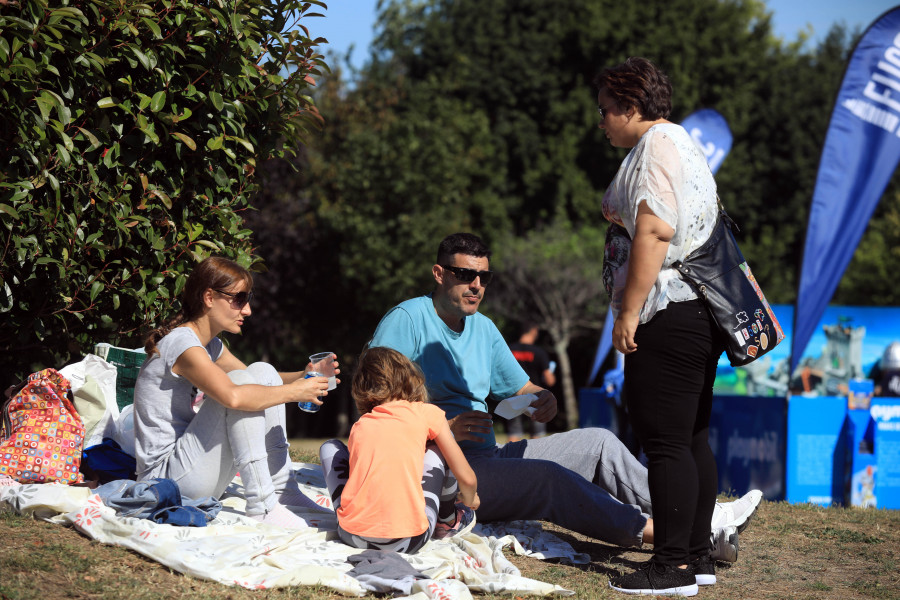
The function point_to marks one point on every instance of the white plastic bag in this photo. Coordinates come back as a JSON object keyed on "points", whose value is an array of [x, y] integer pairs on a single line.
{"points": [[124, 434], [104, 374]]}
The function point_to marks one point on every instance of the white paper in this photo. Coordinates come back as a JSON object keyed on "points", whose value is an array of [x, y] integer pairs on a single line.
{"points": [[104, 374], [515, 406]]}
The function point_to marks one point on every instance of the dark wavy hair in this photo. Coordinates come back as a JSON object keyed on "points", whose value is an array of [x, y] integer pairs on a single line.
{"points": [[384, 375], [212, 273], [461, 243], [638, 83]]}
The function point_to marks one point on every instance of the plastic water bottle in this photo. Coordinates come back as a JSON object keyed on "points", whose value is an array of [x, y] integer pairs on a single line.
{"points": [[309, 406]]}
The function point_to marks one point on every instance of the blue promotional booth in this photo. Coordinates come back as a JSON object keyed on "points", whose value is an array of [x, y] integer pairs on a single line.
{"points": [[748, 436], [808, 435], [886, 415], [817, 450], [801, 449]]}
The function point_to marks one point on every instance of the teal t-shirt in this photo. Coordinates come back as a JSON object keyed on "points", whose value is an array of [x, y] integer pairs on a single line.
{"points": [[462, 370]]}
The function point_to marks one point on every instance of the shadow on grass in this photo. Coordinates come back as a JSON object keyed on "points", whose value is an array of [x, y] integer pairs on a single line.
{"points": [[604, 558]]}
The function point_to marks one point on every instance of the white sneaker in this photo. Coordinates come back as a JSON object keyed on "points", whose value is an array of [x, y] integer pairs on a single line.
{"points": [[737, 513], [465, 521], [723, 544]]}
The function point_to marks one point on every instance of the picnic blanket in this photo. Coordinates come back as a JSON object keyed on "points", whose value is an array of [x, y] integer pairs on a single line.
{"points": [[236, 550]]}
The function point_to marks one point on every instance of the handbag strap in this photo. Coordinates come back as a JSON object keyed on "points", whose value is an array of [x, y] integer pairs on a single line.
{"points": [[723, 219], [722, 215]]}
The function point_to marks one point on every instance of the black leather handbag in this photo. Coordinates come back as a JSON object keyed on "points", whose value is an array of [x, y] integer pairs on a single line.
{"points": [[722, 279]]}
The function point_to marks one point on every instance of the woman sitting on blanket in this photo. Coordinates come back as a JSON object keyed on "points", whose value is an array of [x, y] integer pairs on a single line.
{"points": [[392, 489], [240, 427]]}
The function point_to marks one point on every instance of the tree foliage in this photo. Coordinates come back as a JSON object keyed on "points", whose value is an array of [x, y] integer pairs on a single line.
{"points": [[131, 133], [528, 65], [552, 277], [870, 278], [394, 171], [135, 135], [481, 116]]}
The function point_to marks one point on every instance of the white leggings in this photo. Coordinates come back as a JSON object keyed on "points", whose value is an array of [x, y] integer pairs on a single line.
{"points": [[220, 442]]}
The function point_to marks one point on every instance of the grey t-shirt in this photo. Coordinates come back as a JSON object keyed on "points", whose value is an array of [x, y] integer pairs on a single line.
{"points": [[162, 401]]}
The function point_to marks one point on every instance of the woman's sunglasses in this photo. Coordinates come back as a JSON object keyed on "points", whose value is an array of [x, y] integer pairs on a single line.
{"points": [[239, 300], [469, 275]]}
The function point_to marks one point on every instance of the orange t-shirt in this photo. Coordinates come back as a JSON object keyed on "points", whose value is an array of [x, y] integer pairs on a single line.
{"points": [[383, 497]]}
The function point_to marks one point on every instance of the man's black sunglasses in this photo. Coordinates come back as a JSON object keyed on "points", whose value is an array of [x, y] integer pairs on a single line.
{"points": [[239, 300], [469, 275]]}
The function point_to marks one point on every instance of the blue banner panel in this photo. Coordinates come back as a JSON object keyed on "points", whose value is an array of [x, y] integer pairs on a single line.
{"points": [[861, 151], [863, 469], [711, 133], [886, 414], [748, 436], [816, 449], [596, 408], [603, 347], [601, 407]]}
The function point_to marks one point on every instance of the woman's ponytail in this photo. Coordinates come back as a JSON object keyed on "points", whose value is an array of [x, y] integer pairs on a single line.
{"points": [[162, 331]]}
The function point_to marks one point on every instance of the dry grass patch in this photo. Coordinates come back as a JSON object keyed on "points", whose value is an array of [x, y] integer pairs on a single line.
{"points": [[795, 552]]}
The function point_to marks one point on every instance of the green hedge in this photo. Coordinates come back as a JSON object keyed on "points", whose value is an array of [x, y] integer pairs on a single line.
{"points": [[130, 135]]}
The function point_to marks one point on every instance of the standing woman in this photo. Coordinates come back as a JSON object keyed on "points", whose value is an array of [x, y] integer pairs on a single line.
{"points": [[240, 427], [662, 205]]}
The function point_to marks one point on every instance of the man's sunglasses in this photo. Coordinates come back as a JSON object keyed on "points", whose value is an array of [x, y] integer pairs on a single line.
{"points": [[239, 300], [469, 275]]}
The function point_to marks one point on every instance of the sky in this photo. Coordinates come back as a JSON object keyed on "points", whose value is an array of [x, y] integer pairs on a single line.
{"points": [[350, 22]]}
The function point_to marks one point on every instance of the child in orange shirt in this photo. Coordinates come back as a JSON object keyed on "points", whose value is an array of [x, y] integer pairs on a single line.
{"points": [[392, 490]]}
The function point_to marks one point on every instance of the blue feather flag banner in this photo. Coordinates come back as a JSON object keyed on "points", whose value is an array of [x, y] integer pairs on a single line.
{"points": [[711, 133], [861, 152]]}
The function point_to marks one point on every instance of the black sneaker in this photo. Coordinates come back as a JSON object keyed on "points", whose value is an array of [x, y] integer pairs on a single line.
{"points": [[704, 569], [654, 578]]}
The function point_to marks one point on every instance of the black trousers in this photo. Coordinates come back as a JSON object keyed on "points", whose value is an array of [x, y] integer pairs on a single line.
{"points": [[668, 392]]}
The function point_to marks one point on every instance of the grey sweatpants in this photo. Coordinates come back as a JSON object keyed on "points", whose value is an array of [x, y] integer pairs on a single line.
{"points": [[585, 480], [219, 442]]}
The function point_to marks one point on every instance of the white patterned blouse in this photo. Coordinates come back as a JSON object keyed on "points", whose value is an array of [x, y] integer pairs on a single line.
{"points": [[668, 172]]}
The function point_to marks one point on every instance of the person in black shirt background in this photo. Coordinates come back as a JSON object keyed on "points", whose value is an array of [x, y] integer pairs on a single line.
{"points": [[536, 363]]}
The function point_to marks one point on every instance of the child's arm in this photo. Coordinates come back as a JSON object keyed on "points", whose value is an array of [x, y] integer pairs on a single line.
{"points": [[456, 460]]}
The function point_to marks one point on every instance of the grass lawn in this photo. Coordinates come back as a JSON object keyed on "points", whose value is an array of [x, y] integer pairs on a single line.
{"points": [[787, 552]]}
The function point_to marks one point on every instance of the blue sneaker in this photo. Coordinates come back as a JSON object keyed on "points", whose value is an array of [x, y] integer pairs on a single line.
{"points": [[465, 521]]}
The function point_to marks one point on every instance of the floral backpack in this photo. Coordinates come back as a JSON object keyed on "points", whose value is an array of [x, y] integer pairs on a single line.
{"points": [[42, 435]]}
